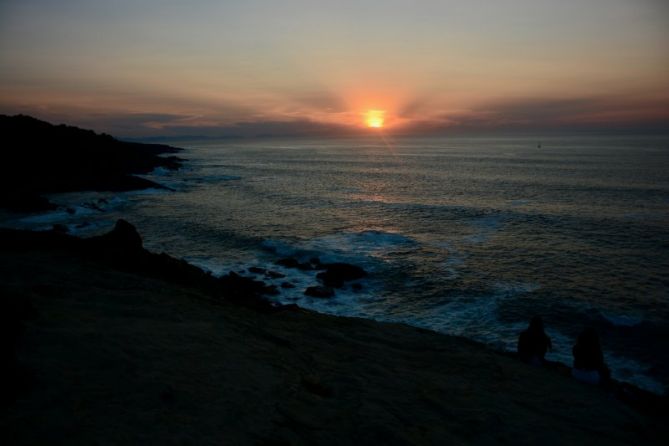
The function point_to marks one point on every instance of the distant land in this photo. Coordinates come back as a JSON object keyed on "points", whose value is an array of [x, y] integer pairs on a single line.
{"points": [[40, 158]]}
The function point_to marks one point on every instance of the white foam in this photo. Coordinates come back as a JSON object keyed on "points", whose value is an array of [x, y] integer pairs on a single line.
{"points": [[213, 266], [149, 191], [632, 371], [359, 245], [485, 227], [359, 248], [49, 217], [622, 320], [78, 211], [454, 260], [160, 171]]}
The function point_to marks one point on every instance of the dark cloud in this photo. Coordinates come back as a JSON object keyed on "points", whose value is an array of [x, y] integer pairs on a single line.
{"points": [[568, 114], [320, 101], [136, 121], [633, 114], [413, 108], [299, 128]]}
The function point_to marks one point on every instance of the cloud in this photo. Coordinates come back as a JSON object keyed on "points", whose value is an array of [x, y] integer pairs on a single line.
{"points": [[324, 101], [251, 129], [552, 114], [623, 113]]}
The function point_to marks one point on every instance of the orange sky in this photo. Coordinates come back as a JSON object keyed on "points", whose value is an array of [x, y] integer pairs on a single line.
{"points": [[152, 68]]}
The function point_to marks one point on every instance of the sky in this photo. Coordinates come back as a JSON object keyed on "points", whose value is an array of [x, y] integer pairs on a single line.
{"points": [[147, 68]]}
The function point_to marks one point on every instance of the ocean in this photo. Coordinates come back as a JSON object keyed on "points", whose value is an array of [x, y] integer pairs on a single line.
{"points": [[465, 236]]}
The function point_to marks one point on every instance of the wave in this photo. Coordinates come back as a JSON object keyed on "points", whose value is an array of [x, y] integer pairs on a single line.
{"points": [[352, 247], [622, 320], [485, 227]]}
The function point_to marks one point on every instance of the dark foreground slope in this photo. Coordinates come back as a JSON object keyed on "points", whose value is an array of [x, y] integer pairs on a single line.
{"points": [[38, 158], [114, 352]]}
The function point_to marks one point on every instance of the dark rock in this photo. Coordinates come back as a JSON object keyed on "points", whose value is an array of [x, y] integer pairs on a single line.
{"points": [[336, 274], [112, 250], [288, 307], [124, 237], [316, 263], [274, 275], [287, 285], [290, 262], [61, 228], [167, 395], [313, 385], [256, 270], [319, 291], [356, 287], [238, 286], [24, 201], [70, 211], [13, 378], [45, 158]]}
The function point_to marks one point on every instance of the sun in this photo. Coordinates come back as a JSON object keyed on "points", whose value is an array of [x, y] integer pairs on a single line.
{"points": [[374, 118]]}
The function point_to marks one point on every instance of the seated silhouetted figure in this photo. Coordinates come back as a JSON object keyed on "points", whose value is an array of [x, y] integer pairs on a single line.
{"points": [[589, 363], [533, 343]]}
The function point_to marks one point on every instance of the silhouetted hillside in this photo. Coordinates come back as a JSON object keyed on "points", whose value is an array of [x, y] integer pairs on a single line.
{"points": [[38, 157]]}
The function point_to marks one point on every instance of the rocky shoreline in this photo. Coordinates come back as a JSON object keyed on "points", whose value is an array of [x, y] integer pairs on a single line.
{"points": [[45, 158], [114, 344]]}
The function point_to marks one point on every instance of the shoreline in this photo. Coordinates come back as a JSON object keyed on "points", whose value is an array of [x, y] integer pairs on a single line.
{"points": [[48, 158], [90, 294], [72, 223], [259, 275]]}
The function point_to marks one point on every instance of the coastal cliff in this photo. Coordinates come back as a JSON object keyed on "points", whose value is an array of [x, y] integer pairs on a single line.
{"points": [[43, 158], [116, 345]]}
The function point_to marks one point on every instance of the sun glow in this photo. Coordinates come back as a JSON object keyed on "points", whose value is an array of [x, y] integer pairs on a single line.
{"points": [[374, 118]]}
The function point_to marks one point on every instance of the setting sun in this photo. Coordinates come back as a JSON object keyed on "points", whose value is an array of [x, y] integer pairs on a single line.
{"points": [[374, 118]]}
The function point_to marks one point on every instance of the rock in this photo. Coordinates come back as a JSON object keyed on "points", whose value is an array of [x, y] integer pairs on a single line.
{"points": [[316, 263], [45, 158], [314, 385], [290, 262], [237, 286], [167, 395], [124, 237], [356, 287], [256, 270], [61, 228], [287, 285], [274, 275], [319, 291], [25, 201], [336, 274], [14, 311]]}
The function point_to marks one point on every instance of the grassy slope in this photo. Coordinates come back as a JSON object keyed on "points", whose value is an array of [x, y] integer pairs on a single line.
{"points": [[118, 358]]}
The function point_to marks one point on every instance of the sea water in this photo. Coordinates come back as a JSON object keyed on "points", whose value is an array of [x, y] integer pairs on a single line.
{"points": [[465, 236]]}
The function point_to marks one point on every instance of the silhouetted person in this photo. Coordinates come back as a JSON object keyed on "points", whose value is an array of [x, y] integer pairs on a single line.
{"points": [[533, 343], [589, 363]]}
